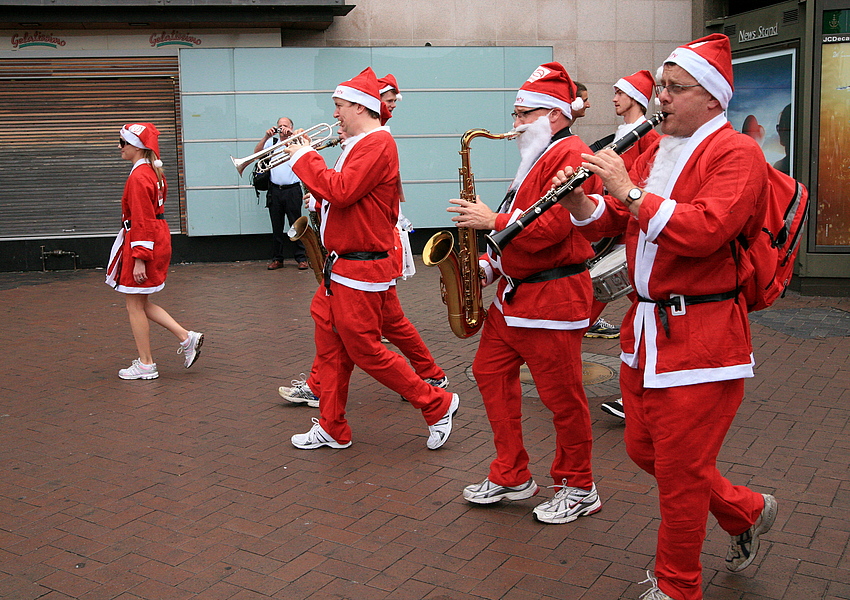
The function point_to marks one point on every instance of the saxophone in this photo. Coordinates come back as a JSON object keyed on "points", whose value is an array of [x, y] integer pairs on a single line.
{"points": [[460, 275], [307, 230]]}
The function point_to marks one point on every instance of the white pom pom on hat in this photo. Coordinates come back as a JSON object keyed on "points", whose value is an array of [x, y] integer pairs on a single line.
{"points": [[157, 163], [577, 104]]}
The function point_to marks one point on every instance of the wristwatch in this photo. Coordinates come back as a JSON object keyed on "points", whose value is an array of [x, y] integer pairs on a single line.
{"points": [[634, 194]]}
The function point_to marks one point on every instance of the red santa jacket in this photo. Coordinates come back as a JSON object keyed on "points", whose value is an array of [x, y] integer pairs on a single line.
{"points": [[549, 242], [360, 206], [679, 244], [144, 235]]}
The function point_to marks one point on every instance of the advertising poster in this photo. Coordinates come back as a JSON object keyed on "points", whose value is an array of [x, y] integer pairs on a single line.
{"points": [[833, 205], [763, 104]]}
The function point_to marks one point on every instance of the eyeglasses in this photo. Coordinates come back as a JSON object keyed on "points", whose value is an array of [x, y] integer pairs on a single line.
{"points": [[521, 114], [674, 89], [122, 142]]}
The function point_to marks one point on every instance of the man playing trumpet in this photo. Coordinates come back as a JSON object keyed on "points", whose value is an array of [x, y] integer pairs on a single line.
{"points": [[540, 312], [359, 214]]}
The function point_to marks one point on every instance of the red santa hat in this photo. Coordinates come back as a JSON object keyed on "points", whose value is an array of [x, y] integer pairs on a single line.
{"points": [[362, 89], [144, 136], [387, 83], [550, 86], [638, 87], [709, 61]]}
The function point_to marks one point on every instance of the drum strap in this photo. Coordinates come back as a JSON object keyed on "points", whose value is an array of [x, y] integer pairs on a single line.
{"points": [[678, 303], [547, 275]]}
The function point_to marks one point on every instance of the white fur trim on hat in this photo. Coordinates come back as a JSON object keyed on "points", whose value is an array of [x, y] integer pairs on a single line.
{"points": [[389, 88], [132, 139], [354, 95], [538, 100], [632, 92], [705, 74]]}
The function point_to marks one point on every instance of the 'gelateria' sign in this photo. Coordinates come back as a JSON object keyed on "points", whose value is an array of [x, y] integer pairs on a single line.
{"points": [[175, 38], [36, 39], [758, 34]]}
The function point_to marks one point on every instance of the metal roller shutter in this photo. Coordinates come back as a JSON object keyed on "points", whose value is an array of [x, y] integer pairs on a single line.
{"points": [[61, 174]]}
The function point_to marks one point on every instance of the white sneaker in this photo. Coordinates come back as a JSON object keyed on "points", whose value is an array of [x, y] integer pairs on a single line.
{"points": [[191, 348], [488, 492], [299, 393], [139, 370], [653, 593], [315, 438], [440, 383], [744, 547], [568, 504], [440, 431]]}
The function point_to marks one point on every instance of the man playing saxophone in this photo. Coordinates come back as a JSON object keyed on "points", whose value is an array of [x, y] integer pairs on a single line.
{"points": [[540, 311]]}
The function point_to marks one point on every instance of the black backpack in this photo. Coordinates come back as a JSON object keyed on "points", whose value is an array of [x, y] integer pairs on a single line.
{"points": [[261, 181]]}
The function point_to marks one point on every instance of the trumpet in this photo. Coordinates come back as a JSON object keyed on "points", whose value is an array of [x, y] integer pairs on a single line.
{"points": [[275, 155]]}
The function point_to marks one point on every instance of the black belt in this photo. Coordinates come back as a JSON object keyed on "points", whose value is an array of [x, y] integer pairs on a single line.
{"points": [[126, 223], [547, 275], [678, 303], [332, 257], [283, 187]]}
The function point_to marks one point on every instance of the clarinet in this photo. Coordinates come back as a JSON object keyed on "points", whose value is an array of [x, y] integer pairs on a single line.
{"points": [[499, 239]]}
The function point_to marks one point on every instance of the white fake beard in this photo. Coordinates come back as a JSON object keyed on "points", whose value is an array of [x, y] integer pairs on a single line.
{"points": [[668, 154], [535, 138]]}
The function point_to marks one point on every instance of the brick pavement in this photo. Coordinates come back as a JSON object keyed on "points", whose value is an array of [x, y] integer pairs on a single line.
{"points": [[187, 487]]}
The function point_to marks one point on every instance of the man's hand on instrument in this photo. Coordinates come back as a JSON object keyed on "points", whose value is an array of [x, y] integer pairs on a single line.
{"points": [[297, 143], [577, 202], [612, 170], [475, 215]]}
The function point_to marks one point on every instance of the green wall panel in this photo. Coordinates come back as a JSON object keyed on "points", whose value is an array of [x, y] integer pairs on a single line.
{"points": [[229, 97]]}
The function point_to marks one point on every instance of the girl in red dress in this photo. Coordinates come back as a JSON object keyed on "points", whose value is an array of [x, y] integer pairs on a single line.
{"points": [[138, 264]]}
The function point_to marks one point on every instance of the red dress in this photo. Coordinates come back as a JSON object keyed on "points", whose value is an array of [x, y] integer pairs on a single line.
{"points": [[144, 234]]}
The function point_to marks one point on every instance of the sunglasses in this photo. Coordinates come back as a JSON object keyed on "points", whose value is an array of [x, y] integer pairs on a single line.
{"points": [[122, 142]]}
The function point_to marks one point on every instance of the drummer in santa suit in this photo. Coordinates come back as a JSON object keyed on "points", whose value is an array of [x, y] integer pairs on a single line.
{"points": [[359, 213], [631, 100], [540, 310], [140, 256], [686, 346]]}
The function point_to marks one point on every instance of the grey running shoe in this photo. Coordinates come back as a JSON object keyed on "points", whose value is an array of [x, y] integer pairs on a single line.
{"points": [[488, 492], [568, 504], [615, 407], [138, 370], [602, 329], [653, 593], [440, 431], [745, 546], [299, 393], [315, 438], [191, 348]]}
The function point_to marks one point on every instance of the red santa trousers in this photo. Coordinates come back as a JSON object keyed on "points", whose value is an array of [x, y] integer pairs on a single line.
{"points": [[348, 332], [675, 435], [398, 329], [554, 358]]}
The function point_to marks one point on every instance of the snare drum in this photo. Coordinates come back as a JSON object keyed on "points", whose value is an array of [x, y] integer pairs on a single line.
{"points": [[610, 276]]}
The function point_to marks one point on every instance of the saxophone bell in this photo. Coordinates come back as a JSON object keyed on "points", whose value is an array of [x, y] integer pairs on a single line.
{"points": [[460, 275]]}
